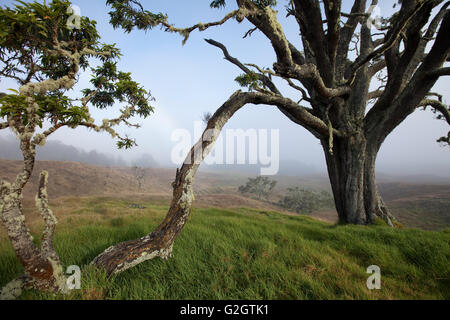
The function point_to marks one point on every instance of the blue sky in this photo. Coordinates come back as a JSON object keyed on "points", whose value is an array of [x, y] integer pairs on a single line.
{"points": [[192, 79]]}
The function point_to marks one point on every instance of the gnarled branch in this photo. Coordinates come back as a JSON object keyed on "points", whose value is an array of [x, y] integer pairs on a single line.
{"points": [[438, 106], [159, 243], [264, 79]]}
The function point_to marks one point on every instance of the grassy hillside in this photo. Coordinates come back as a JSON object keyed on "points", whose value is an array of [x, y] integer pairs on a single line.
{"points": [[417, 205], [242, 254]]}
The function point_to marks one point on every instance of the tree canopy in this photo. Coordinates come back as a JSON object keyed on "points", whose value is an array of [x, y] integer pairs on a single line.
{"points": [[45, 57]]}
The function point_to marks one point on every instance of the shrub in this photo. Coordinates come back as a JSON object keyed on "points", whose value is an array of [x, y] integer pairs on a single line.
{"points": [[306, 201]]}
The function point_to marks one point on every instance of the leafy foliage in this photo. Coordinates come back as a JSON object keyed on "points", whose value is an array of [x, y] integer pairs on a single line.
{"points": [[29, 31], [249, 80], [306, 201], [44, 56], [129, 14], [260, 186], [260, 3]]}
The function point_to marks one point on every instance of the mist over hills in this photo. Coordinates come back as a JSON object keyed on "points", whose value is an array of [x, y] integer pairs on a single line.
{"points": [[286, 168], [58, 151], [55, 150]]}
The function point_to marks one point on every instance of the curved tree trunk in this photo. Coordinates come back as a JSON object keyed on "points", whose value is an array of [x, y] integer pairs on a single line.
{"points": [[159, 243], [347, 169], [43, 270]]}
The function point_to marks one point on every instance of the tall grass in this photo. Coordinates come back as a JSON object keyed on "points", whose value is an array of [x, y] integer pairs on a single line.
{"points": [[248, 254]]}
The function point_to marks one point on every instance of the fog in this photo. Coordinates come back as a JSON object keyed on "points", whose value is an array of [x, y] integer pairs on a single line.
{"points": [[58, 151], [192, 79]]}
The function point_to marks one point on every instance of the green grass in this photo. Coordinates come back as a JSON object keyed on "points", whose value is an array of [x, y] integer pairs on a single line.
{"points": [[247, 254]]}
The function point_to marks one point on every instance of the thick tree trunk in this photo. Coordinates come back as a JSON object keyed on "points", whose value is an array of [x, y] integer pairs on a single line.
{"points": [[42, 270], [346, 172], [351, 170], [42, 267]]}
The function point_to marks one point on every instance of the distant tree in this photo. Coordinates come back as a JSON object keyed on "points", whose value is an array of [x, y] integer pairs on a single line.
{"points": [[139, 175], [45, 55], [260, 186], [306, 201], [145, 160]]}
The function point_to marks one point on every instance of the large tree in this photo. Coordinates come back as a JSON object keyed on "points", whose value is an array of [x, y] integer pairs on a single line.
{"points": [[45, 54], [341, 55], [332, 71]]}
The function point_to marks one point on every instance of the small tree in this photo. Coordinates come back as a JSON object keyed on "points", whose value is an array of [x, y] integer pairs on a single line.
{"points": [[139, 175], [261, 186], [305, 201], [45, 55]]}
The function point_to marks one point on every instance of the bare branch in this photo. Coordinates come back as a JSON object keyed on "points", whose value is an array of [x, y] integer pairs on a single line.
{"points": [[309, 17], [309, 71], [200, 26], [159, 243], [264, 79], [377, 67], [303, 91], [4, 125], [438, 106], [393, 36], [266, 21], [249, 32], [375, 94], [347, 31], [435, 94], [440, 72], [393, 112]]}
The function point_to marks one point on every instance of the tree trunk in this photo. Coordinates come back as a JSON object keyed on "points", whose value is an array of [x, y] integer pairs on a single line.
{"points": [[43, 270], [351, 170], [374, 204], [159, 243]]}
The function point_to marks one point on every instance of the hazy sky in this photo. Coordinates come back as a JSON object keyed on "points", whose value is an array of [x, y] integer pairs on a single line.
{"points": [[192, 79]]}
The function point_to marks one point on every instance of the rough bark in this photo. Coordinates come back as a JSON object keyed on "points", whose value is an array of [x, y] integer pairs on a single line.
{"points": [[346, 171], [43, 270], [351, 169]]}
